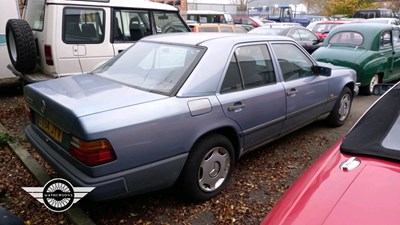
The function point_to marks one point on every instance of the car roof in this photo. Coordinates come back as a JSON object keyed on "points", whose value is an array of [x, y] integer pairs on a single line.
{"points": [[116, 3], [337, 22], [192, 38], [366, 141], [364, 28], [204, 12]]}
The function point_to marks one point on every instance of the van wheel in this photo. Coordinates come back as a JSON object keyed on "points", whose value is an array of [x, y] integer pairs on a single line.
{"points": [[21, 45]]}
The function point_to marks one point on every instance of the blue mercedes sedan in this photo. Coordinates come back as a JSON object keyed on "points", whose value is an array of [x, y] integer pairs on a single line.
{"points": [[181, 109]]}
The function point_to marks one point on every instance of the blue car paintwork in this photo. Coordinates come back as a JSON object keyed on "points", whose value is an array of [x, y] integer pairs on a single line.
{"points": [[152, 134]]}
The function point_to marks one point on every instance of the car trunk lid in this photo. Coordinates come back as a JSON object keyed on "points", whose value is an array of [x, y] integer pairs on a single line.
{"points": [[63, 100], [347, 54]]}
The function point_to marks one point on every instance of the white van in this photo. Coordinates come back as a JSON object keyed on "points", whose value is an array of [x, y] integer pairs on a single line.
{"points": [[6, 13], [75, 36], [209, 16]]}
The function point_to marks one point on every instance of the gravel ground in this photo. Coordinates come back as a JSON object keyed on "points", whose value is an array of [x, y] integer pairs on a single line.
{"points": [[259, 180]]}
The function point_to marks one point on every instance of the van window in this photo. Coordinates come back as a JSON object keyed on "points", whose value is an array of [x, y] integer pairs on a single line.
{"points": [[83, 25], [167, 22], [131, 25], [34, 14]]}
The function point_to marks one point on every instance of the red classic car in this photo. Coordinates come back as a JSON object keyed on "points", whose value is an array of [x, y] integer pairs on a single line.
{"points": [[356, 181]]}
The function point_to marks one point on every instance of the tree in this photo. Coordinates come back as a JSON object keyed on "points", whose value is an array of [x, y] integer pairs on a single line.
{"points": [[241, 4], [335, 7], [346, 7]]}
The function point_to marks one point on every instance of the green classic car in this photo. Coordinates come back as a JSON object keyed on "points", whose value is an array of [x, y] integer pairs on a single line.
{"points": [[372, 50]]}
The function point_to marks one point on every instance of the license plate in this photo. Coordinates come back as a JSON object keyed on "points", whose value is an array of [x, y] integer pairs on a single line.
{"points": [[50, 129]]}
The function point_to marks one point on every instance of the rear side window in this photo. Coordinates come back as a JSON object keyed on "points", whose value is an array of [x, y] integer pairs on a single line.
{"points": [[208, 29], [131, 25], [35, 14], [226, 29], [250, 67], [83, 25]]}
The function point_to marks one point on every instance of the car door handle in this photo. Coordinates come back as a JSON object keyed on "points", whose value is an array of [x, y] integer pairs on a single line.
{"points": [[292, 92], [237, 106]]}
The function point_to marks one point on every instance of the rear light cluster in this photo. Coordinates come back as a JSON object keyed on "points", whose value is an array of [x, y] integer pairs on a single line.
{"points": [[48, 55], [92, 153]]}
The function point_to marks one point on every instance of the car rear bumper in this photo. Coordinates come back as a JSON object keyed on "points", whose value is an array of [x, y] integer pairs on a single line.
{"points": [[150, 177]]}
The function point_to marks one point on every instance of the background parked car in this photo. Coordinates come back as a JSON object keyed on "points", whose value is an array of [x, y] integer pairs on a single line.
{"points": [[6, 13], [217, 27], [168, 111], [246, 20], [372, 49], [86, 35], [322, 29], [373, 13], [303, 36], [282, 24], [319, 18], [356, 181], [392, 21]]}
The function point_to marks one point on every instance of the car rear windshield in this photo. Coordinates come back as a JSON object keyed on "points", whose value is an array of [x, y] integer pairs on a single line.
{"points": [[347, 38], [153, 67], [377, 132], [325, 27]]}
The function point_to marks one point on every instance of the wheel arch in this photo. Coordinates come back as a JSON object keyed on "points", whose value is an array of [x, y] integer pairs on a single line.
{"points": [[228, 132]]}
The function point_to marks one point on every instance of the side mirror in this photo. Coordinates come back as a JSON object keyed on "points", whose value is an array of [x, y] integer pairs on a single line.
{"points": [[380, 89], [322, 71], [316, 41]]}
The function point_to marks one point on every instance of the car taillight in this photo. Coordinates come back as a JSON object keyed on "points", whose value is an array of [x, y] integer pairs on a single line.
{"points": [[92, 153], [48, 55]]}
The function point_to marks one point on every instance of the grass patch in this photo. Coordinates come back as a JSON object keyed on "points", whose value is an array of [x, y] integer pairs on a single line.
{"points": [[5, 138]]}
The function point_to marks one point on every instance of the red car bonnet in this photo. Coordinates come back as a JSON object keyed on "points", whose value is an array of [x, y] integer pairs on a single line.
{"points": [[325, 194]]}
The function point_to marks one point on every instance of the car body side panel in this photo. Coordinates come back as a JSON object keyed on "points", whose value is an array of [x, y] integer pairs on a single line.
{"points": [[261, 115], [307, 102], [137, 180]]}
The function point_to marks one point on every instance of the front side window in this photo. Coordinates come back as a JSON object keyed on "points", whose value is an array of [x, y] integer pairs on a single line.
{"points": [[293, 62], [294, 34], [167, 22], [386, 40], [396, 37], [306, 35], [153, 67], [83, 25], [35, 14]]}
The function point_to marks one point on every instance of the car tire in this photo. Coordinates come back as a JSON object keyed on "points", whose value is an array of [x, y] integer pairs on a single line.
{"points": [[208, 168], [368, 89], [341, 109], [21, 45]]}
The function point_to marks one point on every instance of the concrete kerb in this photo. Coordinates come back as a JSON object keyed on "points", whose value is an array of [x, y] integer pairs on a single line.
{"points": [[74, 214]]}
